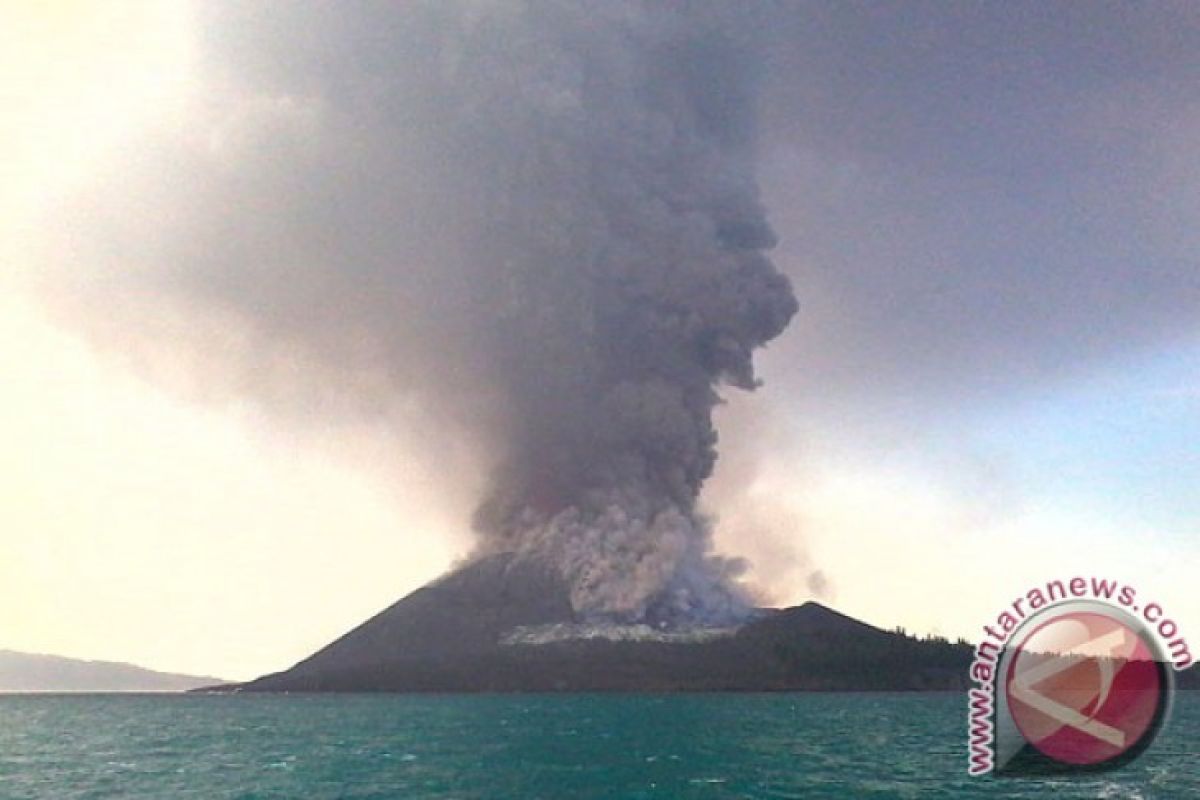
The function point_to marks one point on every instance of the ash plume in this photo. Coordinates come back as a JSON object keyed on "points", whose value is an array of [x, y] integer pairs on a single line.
{"points": [[536, 222]]}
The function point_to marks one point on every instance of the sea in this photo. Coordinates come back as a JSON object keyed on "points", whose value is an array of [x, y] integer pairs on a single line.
{"points": [[68, 747]]}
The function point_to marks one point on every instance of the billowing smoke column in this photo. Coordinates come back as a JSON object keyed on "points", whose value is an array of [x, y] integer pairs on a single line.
{"points": [[646, 288], [630, 281], [538, 219]]}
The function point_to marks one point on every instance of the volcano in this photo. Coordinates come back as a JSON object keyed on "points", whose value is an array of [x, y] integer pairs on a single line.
{"points": [[505, 623]]}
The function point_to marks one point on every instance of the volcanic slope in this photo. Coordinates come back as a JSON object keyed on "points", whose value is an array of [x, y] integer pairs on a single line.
{"points": [[462, 633]]}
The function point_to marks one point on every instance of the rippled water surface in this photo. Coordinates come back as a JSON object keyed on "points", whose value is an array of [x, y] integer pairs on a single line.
{"points": [[531, 746]]}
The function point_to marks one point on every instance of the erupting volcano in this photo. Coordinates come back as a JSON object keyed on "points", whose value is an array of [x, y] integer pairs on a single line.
{"points": [[540, 234], [599, 246]]}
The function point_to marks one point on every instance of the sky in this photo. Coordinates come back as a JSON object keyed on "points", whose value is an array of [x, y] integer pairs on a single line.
{"points": [[988, 213]]}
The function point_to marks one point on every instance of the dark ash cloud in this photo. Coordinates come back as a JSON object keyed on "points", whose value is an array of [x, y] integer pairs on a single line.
{"points": [[536, 223]]}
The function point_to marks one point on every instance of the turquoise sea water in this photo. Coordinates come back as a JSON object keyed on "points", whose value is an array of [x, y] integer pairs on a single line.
{"points": [[531, 746]]}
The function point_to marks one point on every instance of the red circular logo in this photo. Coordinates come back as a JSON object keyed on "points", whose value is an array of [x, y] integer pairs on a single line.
{"points": [[1085, 688]]}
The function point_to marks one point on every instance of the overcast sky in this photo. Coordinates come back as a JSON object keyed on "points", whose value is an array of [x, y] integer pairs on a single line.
{"points": [[989, 214]]}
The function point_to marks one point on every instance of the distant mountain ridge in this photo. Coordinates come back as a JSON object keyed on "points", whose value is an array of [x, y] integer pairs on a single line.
{"points": [[35, 672]]}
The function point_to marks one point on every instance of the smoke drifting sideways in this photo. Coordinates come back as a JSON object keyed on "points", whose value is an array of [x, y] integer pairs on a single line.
{"points": [[536, 222]]}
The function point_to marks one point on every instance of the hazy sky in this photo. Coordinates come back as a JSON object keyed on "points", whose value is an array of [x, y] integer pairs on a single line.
{"points": [[989, 214]]}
